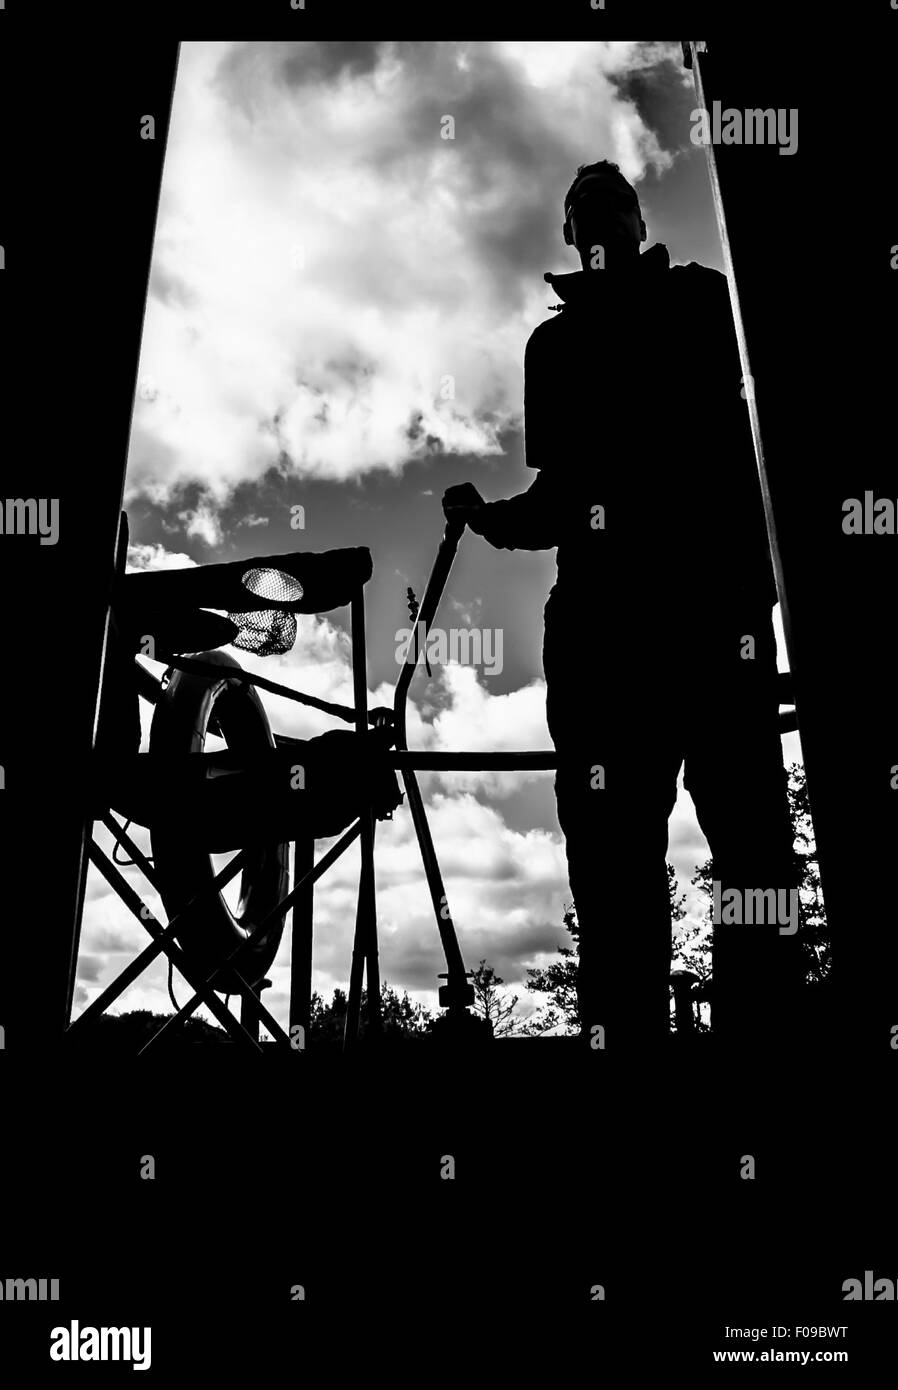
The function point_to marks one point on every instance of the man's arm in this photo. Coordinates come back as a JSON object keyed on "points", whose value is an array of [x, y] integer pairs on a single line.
{"points": [[525, 522], [542, 399], [528, 521]]}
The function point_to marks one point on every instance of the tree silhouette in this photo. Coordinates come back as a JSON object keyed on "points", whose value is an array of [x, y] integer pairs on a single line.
{"points": [[128, 1032], [402, 1019], [814, 930], [559, 981], [497, 1009]]}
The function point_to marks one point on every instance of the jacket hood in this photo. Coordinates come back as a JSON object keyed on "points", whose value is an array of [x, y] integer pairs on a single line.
{"points": [[578, 286]]}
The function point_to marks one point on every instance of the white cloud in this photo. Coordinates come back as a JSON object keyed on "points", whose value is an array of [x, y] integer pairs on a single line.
{"points": [[202, 522], [156, 557], [324, 262]]}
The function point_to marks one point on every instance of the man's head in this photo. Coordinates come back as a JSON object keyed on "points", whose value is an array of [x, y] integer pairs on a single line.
{"points": [[602, 209]]}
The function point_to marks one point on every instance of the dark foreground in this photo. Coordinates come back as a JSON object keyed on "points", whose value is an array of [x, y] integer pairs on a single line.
{"points": [[523, 1190]]}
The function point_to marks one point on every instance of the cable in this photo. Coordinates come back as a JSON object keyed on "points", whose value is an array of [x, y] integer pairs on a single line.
{"points": [[126, 863], [123, 863], [201, 668], [171, 992]]}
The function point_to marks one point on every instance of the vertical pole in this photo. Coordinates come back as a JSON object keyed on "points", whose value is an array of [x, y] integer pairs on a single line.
{"points": [[249, 1013], [364, 948], [249, 1009], [754, 253], [112, 661], [750, 398], [301, 943], [369, 909], [356, 975], [456, 994], [78, 560]]}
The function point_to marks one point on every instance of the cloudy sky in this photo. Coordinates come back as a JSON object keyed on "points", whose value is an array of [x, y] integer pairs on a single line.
{"points": [[324, 260]]}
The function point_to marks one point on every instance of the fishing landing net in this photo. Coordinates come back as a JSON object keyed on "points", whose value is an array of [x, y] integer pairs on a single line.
{"points": [[270, 631]]}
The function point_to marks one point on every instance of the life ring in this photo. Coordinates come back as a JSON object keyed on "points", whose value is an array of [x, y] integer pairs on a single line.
{"points": [[180, 725]]}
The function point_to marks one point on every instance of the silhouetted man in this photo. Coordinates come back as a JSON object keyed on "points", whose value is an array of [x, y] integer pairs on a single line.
{"points": [[659, 644]]}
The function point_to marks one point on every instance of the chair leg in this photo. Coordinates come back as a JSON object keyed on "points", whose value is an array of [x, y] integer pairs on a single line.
{"points": [[205, 994], [301, 943], [372, 963], [364, 946], [252, 1010], [249, 1012], [332, 855]]}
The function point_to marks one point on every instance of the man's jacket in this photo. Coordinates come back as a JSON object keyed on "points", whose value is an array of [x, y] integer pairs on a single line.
{"points": [[636, 425]]}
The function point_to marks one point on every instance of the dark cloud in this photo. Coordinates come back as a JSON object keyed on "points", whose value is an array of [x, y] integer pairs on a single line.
{"points": [[511, 158], [170, 288], [657, 91], [296, 65], [415, 963], [508, 159], [321, 62]]}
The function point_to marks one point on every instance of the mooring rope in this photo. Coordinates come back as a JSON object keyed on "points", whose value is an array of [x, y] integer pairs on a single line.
{"points": [[202, 668]]}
